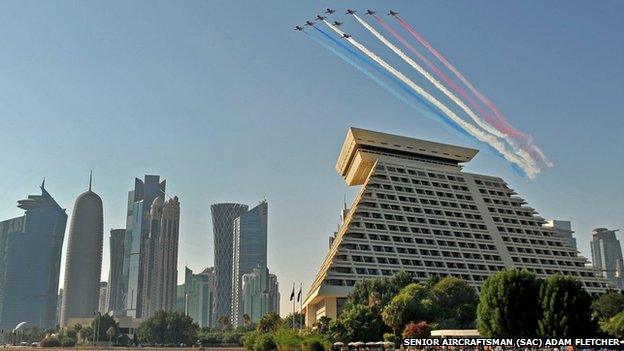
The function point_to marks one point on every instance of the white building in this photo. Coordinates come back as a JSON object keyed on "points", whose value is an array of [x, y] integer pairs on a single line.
{"points": [[607, 255], [260, 293], [103, 298], [418, 211]]}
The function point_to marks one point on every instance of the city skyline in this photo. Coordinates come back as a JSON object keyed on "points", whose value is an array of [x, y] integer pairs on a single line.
{"points": [[239, 141]]}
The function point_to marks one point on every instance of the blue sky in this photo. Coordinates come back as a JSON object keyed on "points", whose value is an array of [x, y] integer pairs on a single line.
{"points": [[228, 103]]}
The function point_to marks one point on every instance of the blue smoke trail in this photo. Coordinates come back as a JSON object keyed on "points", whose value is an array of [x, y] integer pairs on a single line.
{"points": [[432, 112]]}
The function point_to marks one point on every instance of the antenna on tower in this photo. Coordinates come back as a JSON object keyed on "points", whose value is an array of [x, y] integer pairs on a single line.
{"points": [[90, 179], [43, 183]]}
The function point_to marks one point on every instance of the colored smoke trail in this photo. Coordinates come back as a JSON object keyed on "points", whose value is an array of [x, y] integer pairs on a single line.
{"points": [[522, 142], [529, 167], [509, 128], [429, 111], [483, 124], [439, 73]]}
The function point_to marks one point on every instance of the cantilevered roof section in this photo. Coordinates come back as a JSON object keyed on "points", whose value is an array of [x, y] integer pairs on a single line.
{"points": [[389, 143]]}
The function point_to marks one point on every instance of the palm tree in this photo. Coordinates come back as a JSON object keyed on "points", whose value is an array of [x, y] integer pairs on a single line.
{"points": [[246, 320], [224, 321]]}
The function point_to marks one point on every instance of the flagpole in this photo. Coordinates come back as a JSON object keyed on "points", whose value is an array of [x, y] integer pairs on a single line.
{"points": [[301, 304], [293, 300]]}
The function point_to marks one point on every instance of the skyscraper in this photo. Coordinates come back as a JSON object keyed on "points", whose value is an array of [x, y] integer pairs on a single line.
{"points": [[564, 230], [103, 298], [83, 261], [259, 294], [417, 211], [223, 216], [165, 277], [607, 255], [115, 273], [249, 250], [199, 292], [30, 259], [137, 231]]}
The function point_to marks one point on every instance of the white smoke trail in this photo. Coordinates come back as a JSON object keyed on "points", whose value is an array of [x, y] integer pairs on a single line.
{"points": [[480, 121], [527, 166]]}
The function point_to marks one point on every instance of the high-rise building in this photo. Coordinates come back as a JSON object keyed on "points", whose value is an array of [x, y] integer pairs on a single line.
{"points": [[103, 298], [199, 292], [607, 256], [140, 200], [115, 273], [30, 259], [164, 278], [249, 251], [564, 230], [223, 216], [83, 260], [259, 294], [417, 211]]}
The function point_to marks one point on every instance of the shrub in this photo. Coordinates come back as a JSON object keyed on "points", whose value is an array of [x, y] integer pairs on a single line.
{"points": [[287, 340], [392, 338], [68, 342], [249, 340], [312, 345], [50, 342], [614, 325], [265, 342], [417, 330]]}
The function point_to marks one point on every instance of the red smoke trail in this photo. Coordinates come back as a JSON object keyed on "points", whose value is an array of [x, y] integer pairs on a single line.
{"points": [[506, 126], [448, 81]]}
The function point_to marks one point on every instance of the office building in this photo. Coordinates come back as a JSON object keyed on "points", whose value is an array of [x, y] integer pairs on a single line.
{"points": [[564, 230], [259, 294], [164, 276], [115, 273], [30, 260], [419, 212], [83, 260], [199, 290], [103, 298], [140, 200], [223, 216], [249, 251], [607, 256]]}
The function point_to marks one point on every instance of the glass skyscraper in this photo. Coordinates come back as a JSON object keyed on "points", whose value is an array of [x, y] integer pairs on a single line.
{"points": [[249, 250], [30, 259], [607, 255], [223, 216], [137, 231]]}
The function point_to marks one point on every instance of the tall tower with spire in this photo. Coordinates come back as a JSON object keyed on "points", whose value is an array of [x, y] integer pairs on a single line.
{"points": [[83, 260]]}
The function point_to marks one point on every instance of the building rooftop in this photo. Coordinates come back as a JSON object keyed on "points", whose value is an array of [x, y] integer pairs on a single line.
{"points": [[395, 144]]}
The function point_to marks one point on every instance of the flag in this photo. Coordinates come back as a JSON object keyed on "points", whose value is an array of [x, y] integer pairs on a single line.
{"points": [[292, 294], [299, 293]]}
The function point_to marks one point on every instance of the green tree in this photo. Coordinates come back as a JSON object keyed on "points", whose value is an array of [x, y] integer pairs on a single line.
{"points": [[565, 309], [269, 322], [85, 335], [357, 323], [614, 325], [265, 342], [410, 304], [224, 322], [102, 323], [508, 304], [608, 305], [454, 303], [169, 327], [377, 292], [322, 325], [246, 320]]}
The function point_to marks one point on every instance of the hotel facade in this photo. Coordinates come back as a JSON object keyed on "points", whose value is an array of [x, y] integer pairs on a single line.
{"points": [[417, 211]]}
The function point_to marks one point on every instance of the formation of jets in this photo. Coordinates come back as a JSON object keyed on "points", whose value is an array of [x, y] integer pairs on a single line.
{"points": [[329, 11]]}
